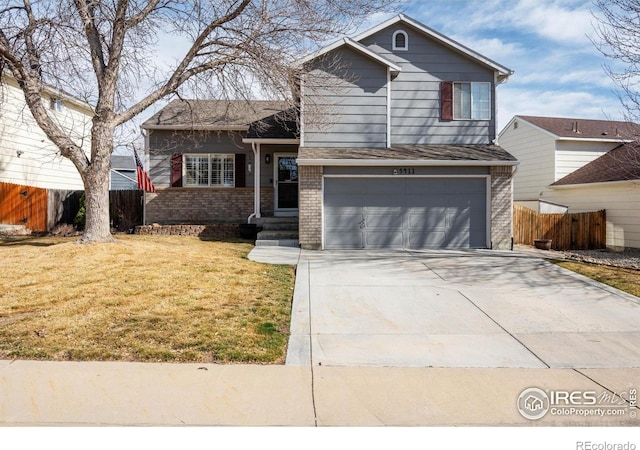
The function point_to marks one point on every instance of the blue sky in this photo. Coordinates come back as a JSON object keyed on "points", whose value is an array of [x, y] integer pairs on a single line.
{"points": [[558, 70]]}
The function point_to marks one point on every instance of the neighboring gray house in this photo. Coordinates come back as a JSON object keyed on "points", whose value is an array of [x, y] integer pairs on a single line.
{"points": [[123, 173], [391, 145]]}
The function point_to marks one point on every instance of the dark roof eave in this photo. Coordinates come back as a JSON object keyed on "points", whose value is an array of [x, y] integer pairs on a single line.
{"points": [[400, 162]]}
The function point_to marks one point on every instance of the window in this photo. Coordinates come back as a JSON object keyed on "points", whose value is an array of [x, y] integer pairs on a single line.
{"points": [[209, 170], [472, 101], [55, 104], [400, 41]]}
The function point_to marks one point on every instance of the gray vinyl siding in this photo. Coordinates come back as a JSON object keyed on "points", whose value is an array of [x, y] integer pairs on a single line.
{"points": [[164, 143], [415, 92], [123, 180], [345, 102]]}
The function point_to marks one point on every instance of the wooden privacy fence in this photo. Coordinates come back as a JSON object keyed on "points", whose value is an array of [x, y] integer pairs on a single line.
{"points": [[576, 231], [125, 208], [41, 209], [23, 205]]}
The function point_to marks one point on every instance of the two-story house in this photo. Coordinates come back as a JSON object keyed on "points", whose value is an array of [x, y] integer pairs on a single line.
{"points": [[392, 145], [27, 156], [578, 165]]}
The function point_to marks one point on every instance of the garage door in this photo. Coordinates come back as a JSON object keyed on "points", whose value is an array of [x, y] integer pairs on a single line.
{"points": [[412, 213]]}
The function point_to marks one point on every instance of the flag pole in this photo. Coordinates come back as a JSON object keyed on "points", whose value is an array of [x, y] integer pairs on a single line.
{"points": [[144, 207]]}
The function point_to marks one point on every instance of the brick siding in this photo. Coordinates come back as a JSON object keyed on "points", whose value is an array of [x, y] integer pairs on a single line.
{"points": [[310, 226], [205, 205], [501, 207]]}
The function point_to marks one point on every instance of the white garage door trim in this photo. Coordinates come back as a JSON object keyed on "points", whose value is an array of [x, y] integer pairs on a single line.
{"points": [[487, 179]]}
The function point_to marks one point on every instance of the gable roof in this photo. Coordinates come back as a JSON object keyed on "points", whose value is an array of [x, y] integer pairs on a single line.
{"points": [[620, 164], [213, 114], [122, 162], [348, 42], [502, 71], [571, 128]]}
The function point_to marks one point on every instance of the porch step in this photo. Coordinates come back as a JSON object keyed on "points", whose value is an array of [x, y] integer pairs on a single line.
{"points": [[265, 221], [278, 234], [277, 243], [277, 231]]}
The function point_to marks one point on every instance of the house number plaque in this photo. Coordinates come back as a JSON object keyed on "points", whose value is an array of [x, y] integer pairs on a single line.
{"points": [[404, 171]]}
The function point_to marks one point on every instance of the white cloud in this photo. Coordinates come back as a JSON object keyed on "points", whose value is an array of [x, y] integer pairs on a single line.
{"points": [[555, 103]]}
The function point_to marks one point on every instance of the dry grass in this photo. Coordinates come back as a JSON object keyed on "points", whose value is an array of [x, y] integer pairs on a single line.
{"points": [[146, 298], [626, 280]]}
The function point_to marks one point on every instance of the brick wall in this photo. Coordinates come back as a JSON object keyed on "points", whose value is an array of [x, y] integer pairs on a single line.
{"points": [[205, 205], [501, 207], [310, 226]]}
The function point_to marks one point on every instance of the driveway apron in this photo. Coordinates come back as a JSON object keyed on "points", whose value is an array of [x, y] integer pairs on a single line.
{"points": [[456, 309]]}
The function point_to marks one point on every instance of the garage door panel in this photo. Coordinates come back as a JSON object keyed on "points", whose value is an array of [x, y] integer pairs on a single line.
{"points": [[429, 186], [429, 220], [430, 239], [374, 221], [384, 239], [425, 201], [344, 239], [344, 221], [338, 201], [383, 201], [345, 186], [467, 186], [405, 212], [378, 187]]}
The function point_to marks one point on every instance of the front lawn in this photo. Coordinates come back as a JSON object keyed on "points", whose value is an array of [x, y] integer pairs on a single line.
{"points": [[626, 280], [146, 298]]}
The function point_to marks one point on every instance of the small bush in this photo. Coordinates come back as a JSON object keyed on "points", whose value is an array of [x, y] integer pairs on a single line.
{"points": [[80, 219]]}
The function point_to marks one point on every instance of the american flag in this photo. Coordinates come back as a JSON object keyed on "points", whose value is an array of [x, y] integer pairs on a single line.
{"points": [[144, 182]]}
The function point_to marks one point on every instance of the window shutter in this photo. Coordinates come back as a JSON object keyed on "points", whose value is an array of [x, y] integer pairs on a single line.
{"points": [[240, 171], [446, 100], [176, 170]]}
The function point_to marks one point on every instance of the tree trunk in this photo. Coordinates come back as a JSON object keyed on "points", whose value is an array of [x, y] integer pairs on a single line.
{"points": [[96, 187]]}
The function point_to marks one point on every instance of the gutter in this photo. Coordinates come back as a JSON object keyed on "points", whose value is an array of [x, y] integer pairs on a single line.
{"points": [[634, 183]]}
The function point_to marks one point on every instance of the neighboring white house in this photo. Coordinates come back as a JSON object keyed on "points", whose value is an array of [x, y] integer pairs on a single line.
{"points": [[27, 156], [579, 165]]}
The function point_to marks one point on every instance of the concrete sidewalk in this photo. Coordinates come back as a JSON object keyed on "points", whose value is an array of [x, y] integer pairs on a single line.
{"points": [[72, 393]]}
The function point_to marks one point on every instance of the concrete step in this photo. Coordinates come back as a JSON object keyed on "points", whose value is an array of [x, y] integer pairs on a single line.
{"points": [[278, 220], [278, 234], [274, 226], [277, 243]]}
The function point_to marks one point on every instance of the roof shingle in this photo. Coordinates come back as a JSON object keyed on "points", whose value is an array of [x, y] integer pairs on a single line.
{"points": [[620, 164], [411, 153], [586, 128], [213, 114]]}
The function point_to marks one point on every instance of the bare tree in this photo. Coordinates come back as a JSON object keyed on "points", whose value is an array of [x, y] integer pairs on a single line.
{"points": [[106, 51], [618, 38]]}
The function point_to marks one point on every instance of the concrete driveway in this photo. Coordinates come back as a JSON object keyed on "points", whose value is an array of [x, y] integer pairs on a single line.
{"points": [[457, 309]]}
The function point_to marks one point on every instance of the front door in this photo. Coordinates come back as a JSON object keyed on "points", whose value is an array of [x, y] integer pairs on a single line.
{"points": [[286, 184]]}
